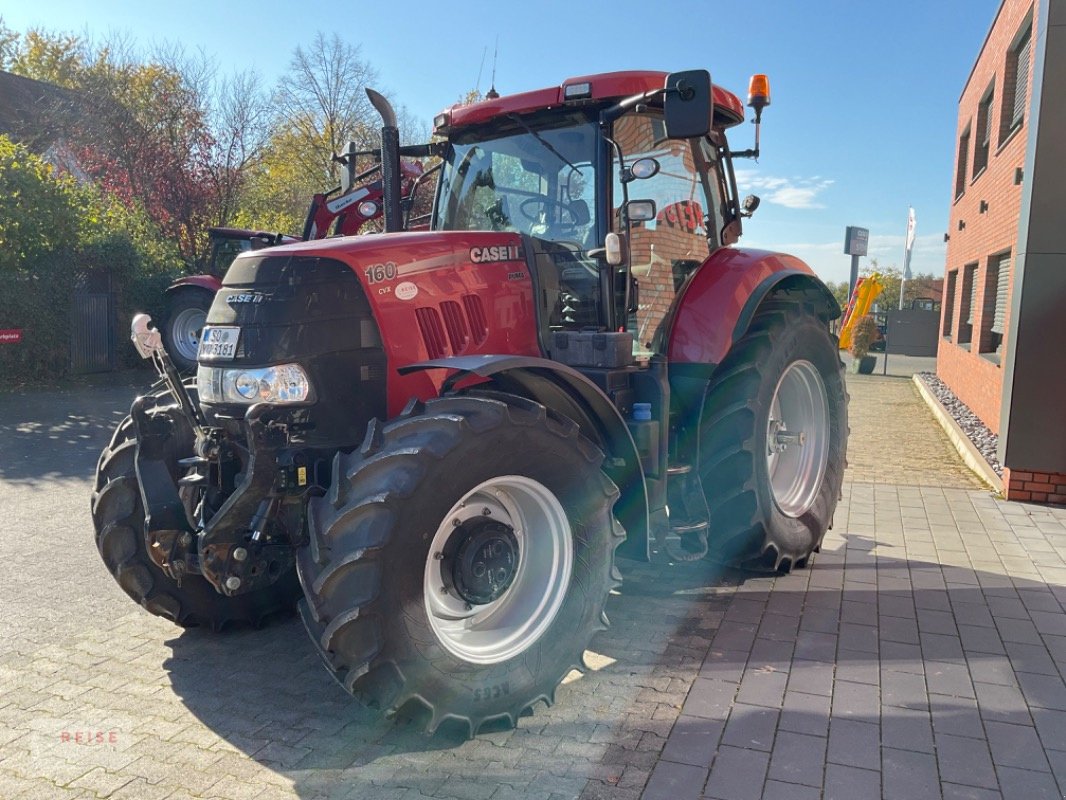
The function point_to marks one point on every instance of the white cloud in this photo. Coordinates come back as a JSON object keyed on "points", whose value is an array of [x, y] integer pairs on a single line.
{"points": [[788, 192]]}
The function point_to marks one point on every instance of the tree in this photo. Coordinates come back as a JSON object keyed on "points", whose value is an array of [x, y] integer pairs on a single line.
{"points": [[9, 41], [920, 285], [322, 104], [161, 132], [37, 210]]}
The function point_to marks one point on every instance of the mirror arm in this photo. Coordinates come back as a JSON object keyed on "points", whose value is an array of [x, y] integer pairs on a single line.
{"points": [[623, 169], [751, 152], [612, 113]]}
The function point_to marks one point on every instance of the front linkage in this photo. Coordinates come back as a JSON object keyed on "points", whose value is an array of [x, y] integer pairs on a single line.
{"points": [[240, 539]]}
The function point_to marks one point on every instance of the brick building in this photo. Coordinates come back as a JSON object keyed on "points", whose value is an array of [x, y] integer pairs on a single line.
{"points": [[1003, 319]]}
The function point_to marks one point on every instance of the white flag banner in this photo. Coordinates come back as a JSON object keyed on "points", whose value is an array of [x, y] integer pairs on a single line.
{"points": [[910, 246]]}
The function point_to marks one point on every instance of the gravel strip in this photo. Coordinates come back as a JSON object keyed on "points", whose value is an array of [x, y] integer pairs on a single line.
{"points": [[986, 442]]}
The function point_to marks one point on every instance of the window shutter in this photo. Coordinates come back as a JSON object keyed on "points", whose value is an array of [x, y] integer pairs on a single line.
{"points": [[1002, 282], [1021, 81], [987, 135], [960, 177], [973, 296]]}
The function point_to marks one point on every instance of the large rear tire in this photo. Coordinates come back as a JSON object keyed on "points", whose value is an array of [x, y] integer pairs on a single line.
{"points": [[185, 318], [773, 439], [118, 517], [460, 564]]}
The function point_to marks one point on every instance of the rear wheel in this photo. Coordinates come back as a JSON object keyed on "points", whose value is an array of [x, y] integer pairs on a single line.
{"points": [[773, 437], [460, 565], [186, 315], [118, 517]]}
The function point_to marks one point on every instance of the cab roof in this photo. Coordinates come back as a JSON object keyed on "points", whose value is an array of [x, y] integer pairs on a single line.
{"points": [[728, 110]]}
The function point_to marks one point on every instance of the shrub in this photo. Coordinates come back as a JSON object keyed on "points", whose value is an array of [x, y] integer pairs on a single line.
{"points": [[56, 236], [863, 335]]}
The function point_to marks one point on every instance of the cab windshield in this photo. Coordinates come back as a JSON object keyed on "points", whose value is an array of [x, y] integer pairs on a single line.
{"points": [[536, 181]]}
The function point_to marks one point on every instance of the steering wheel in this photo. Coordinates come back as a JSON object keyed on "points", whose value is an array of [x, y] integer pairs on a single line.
{"points": [[531, 207]]}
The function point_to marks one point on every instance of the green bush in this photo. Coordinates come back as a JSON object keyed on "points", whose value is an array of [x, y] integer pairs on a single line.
{"points": [[57, 236]]}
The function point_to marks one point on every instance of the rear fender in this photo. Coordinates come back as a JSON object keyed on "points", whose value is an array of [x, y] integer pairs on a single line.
{"points": [[718, 303], [566, 391]]}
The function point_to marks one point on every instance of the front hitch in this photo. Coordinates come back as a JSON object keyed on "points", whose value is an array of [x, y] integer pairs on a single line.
{"points": [[236, 546], [245, 544]]}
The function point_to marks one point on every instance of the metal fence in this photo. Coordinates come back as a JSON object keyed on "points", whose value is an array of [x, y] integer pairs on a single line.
{"points": [[92, 329]]}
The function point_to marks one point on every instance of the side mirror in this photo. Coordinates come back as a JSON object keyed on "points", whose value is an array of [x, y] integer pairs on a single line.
{"points": [[613, 250], [640, 210], [641, 169], [688, 106], [747, 208]]}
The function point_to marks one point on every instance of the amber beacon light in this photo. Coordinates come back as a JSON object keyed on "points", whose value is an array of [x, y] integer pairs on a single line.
{"points": [[759, 92]]}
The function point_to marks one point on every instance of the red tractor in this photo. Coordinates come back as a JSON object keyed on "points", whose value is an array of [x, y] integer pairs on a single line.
{"points": [[188, 299], [437, 441]]}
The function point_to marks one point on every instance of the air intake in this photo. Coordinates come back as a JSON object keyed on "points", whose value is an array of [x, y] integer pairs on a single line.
{"points": [[432, 331]]}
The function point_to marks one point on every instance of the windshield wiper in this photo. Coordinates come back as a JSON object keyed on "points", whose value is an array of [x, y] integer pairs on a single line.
{"points": [[543, 141]]}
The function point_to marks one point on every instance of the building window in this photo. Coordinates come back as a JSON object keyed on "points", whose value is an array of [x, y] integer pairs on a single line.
{"points": [[984, 132], [967, 305], [994, 321], [949, 304], [1016, 82], [960, 174]]}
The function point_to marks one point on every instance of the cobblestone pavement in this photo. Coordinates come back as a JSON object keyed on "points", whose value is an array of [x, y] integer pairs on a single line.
{"points": [[895, 439], [921, 656]]}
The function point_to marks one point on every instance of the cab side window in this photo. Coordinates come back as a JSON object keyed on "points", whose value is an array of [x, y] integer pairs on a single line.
{"points": [[663, 251]]}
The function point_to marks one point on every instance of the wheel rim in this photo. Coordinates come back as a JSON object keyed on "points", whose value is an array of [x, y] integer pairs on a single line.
{"points": [[498, 569], [797, 438], [186, 327]]}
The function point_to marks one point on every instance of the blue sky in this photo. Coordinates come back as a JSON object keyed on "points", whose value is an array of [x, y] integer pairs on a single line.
{"points": [[865, 94]]}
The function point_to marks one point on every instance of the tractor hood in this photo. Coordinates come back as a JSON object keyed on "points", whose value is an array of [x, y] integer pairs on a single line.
{"points": [[428, 295]]}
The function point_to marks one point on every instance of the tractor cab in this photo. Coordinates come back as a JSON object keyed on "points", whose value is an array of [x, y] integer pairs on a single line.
{"points": [[618, 201]]}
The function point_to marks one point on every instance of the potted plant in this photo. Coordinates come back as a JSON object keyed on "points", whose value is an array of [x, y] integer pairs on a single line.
{"points": [[863, 336]]}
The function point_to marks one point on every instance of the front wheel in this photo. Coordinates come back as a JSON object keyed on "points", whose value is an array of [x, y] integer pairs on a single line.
{"points": [[773, 439], [461, 562]]}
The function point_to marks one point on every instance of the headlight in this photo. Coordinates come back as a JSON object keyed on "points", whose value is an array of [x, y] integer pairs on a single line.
{"points": [[285, 383]]}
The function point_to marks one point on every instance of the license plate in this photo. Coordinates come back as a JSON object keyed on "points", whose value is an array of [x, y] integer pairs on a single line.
{"points": [[218, 344]]}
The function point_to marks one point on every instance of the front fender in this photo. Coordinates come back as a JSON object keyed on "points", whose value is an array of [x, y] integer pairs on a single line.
{"points": [[208, 283], [568, 392], [717, 304]]}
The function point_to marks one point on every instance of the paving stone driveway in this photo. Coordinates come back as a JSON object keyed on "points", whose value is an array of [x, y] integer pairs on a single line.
{"points": [[921, 656]]}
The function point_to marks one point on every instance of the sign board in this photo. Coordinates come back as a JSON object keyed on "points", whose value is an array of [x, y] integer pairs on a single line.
{"points": [[855, 240], [10, 336]]}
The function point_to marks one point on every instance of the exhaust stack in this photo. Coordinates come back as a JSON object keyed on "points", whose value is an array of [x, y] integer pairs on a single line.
{"points": [[390, 162]]}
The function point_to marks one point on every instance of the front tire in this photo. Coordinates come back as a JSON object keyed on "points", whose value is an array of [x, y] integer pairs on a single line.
{"points": [[118, 518], [773, 439], [460, 564]]}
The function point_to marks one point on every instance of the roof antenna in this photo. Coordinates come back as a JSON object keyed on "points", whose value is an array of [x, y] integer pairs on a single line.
{"points": [[492, 94], [477, 86]]}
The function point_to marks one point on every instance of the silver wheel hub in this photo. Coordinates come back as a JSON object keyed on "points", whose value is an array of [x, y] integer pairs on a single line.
{"points": [[498, 569], [797, 438], [186, 326]]}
